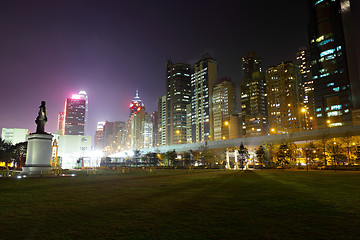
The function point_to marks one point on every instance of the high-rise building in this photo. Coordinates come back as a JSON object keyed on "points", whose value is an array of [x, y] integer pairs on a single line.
{"points": [[253, 97], [333, 60], [136, 104], [224, 99], [99, 136], [83, 95], [178, 94], [154, 118], [162, 134], [284, 92], [147, 132], [74, 115], [137, 127], [203, 80], [303, 62]]}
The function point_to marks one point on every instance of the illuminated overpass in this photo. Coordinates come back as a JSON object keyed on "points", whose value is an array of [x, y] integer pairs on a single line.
{"points": [[251, 142]]}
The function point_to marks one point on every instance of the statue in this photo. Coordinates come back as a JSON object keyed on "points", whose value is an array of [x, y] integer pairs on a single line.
{"points": [[41, 119]]}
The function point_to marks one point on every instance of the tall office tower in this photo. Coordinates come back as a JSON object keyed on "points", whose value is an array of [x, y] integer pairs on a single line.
{"points": [[178, 94], [333, 60], [203, 79], [154, 118], [162, 121], [303, 62], [136, 128], [74, 115], [224, 99], [128, 131], [99, 136], [284, 91], [136, 104], [147, 132], [83, 95], [253, 97], [60, 123]]}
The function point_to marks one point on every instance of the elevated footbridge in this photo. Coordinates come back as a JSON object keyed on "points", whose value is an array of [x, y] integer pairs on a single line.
{"points": [[251, 142]]}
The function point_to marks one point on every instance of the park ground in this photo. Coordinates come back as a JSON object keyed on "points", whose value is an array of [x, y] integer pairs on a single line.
{"points": [[181, 204]]}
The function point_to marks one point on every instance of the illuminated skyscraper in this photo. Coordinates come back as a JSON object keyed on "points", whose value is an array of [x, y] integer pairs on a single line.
{"points": [[333, 60], [136, 104], [178, 94], [223, 99], [203, 80], [83, 95], [303, 62], [74, 115], [253, 97], [162, 121], [284, 92]]}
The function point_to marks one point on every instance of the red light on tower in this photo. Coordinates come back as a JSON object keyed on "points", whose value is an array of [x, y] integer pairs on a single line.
{"points": [[138, 109], [131, 105]]}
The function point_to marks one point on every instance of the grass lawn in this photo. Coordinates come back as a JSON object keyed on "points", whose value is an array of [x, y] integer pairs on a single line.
{"points": [[176, 204]]}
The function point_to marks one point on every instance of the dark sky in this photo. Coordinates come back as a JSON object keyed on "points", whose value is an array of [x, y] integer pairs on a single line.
{"points": [[51, 49]]}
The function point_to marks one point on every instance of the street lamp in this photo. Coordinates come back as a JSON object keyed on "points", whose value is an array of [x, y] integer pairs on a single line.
{"points": [[304, 111]]}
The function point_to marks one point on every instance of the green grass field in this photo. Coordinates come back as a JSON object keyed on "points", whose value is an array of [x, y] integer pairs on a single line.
{"points": [[176, 204]]}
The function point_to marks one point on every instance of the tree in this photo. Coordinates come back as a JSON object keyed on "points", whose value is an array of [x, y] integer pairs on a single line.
{"points": [[6, 152], [243, 155], [261, 156], [20, 154], [310, 153], [336, 152], [170, 157], [284, 155], [348, 142], [323, 144]]}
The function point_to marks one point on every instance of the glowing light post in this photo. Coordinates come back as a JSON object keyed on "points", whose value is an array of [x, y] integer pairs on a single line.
{"points": [[227, 159], [304, 111]]}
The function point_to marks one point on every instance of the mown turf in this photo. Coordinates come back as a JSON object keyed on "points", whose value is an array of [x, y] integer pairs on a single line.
{"points": [[176, 204]]}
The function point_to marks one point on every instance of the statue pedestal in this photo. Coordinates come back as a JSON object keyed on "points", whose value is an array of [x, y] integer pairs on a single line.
{"points": [[38, 154]]}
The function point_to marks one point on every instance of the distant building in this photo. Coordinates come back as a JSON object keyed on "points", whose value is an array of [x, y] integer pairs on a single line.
{"points": [[99, 136], [284, 92], [73, 148], [178, 94], [74, 115], [203, 80], [14, 135], [253, 97], [224, 99], [334, 65]]}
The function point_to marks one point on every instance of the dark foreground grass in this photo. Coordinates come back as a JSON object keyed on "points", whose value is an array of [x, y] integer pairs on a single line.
{"points": [[176, 204]]}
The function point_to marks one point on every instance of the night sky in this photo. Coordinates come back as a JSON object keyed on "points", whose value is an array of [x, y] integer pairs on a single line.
{"points": [[52, 49]]}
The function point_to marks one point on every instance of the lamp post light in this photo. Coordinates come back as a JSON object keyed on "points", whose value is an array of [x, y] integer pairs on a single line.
{"points": [[303, 110]]}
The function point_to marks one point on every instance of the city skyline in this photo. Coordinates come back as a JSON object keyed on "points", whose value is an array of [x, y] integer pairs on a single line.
{"points": [[78, 49]]}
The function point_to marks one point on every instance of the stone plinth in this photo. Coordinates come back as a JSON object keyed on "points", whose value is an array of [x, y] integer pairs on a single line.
{"points": [[38, 154]]}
